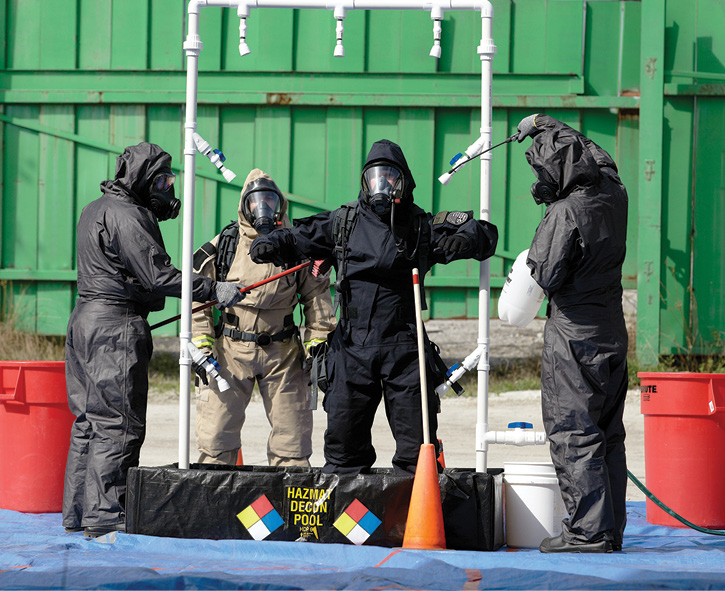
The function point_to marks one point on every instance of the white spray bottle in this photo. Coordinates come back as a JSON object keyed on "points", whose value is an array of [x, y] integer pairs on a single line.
{"points": [[521, 296]]}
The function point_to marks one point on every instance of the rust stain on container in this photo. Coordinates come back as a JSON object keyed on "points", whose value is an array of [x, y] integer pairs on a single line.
{"points": [[278, 98]]}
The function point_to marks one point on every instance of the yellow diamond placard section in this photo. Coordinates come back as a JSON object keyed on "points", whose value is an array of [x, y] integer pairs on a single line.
{"points": [[248, 517], [344, 524]]}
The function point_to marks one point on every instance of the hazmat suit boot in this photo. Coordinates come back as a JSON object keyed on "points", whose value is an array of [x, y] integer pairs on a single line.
{"points": [[225, 458], [558, 544], [278, 462], [96, 531]]}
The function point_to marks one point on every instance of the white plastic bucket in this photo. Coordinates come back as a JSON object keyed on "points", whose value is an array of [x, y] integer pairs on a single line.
{"points": [[532, 501]]}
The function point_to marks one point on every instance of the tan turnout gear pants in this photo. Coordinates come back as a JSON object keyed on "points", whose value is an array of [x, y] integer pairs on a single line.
{"points": [[282, 383]]}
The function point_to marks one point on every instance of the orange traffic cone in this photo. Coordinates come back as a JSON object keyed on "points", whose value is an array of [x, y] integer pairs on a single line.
{"points": [[441, 457], [424, 528], [240, 459]]}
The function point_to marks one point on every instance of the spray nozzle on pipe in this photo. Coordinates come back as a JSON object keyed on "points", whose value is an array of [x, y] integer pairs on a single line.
{"points": [[437, 15], [216, 156], [473, 151], [456, 372], [435, 51], [209, 364], [243, 47], [340, 13]]}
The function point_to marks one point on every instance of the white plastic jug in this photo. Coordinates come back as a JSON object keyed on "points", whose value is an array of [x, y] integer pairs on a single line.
{"points": [[521, 296], [533, 507]]}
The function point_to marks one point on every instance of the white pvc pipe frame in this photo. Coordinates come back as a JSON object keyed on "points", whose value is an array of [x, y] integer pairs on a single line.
{"points": [[193, 47]]}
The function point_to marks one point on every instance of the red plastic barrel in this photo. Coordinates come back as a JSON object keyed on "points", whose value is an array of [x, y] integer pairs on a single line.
{"points": [[35, 426], [684, 446]]}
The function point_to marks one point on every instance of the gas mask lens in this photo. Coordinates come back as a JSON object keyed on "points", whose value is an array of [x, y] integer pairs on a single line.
{"points": [[380, 179], [163, 182], [381, 184], [262, 210]]}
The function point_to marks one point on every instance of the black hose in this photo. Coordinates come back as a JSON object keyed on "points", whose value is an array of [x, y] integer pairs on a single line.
{"points": [[666, 509]]}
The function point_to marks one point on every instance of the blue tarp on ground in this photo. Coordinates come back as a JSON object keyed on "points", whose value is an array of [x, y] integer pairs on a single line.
{"points": [[35, 553]]}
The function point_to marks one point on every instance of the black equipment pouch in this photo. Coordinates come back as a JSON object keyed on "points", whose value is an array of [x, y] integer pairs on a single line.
{"points": [[318, 373]]}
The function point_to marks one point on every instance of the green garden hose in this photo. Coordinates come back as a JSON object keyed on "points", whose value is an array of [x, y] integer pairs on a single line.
{"points": [[666, 509]]}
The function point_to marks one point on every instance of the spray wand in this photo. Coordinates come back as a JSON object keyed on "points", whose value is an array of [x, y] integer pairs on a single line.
{"points": [[473, 151], [243, 290]]}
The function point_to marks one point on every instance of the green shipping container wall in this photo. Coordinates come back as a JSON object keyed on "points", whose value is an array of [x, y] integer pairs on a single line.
{"points": [[681, 178], [82, 79]]}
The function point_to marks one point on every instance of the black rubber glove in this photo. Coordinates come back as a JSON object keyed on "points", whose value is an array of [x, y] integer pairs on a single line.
{"points": [[199, 369], [265, 252], [201, 373], [455, 244]]}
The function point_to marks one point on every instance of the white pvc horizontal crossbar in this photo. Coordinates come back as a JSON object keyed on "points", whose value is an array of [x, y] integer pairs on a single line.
{"points": [[347, 4]]}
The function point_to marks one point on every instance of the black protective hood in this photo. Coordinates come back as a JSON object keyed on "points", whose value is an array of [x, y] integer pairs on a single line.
{"points": [[387, 151], [562, 156], [135, 169]]}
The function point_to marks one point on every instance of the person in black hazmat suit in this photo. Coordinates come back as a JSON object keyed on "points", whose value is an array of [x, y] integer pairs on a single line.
{"points": [[373, 351], [124, 273], [576, 257]]}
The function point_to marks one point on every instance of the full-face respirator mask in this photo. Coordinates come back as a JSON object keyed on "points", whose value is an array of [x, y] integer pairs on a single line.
{"points": [[382, 186], [162, 197], [262, 205], [544, 190]]}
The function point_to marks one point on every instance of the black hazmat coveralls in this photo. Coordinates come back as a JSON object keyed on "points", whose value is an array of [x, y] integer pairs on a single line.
{"points": [[124, 273], [373, 352], [576, 257]]}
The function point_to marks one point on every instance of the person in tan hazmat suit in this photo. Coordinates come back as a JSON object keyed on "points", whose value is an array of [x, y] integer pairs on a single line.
{"points": [[258, 342]]}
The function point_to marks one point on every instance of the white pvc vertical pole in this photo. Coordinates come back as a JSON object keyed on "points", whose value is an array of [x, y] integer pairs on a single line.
{"points": [[421, 356], [486, 50], [192, 46]]}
